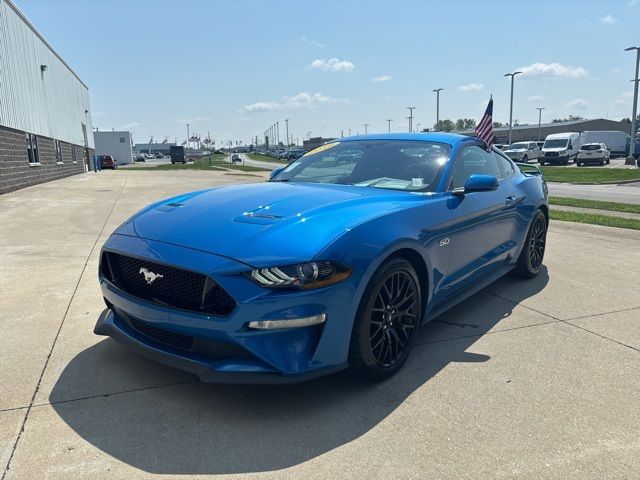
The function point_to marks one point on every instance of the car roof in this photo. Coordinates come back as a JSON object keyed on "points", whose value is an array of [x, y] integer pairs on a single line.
{"points": [[440, 137]]}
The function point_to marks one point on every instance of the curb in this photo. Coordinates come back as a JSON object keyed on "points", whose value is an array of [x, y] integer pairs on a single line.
{"points": [[619, 182]]}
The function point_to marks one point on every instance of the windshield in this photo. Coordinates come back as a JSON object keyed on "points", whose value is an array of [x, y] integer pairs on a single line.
{"points": [[393, 164], [519, 146], [559, 143], [590, 146]]}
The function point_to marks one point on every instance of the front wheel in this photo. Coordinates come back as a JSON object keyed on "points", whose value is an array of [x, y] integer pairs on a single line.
{"points": [[386, 322], [525, 159], [532, 254]]}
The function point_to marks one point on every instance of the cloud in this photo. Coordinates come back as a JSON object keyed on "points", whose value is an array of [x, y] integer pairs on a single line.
{"points": [[471, 87], [616, 70], [129, 126], [261, 107], [608, 19], [536, 98], [633, 3], [625, 99], [552, 70], [578, 103], [193, 120], [381, 78], [300, 100], [331, 65], [313, 43]]}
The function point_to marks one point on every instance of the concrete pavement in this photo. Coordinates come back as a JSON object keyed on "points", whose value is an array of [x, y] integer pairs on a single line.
{"points": [[526, 379], [625, 193]]}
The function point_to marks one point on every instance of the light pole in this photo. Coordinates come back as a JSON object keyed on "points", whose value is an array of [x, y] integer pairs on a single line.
{"points": [[418, 127], [278, 134], [365, 125], [512, 75], [410, 117], [437, 90], [539, 119], [634, 120], [308, 135], [187, 135], [389, 120], [286, 121], [349, 132]]}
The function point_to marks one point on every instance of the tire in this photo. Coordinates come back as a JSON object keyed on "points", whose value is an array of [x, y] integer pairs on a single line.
{"points": [[578, 164], [387, 321], [609, 161], [602, 162], [541, 163], [173, 163], [525, 159], [532, 254]]}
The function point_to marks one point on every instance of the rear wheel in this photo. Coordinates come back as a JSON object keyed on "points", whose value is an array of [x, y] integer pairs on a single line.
{"points": [[387, 321], [525, 159], [530, 259]]}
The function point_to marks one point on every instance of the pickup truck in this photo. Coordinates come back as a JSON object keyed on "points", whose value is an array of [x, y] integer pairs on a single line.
{"points": [[523, 151]]}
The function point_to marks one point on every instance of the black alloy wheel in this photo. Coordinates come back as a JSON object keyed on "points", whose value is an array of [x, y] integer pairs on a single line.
{"points": [[387, 321], [530, 259]]}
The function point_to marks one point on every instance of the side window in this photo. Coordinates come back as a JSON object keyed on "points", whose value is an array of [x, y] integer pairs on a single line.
{"points": [[32, 148], [474, 160], [505, 166]]}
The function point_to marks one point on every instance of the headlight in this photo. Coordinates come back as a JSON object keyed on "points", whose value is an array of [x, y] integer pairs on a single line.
{"points": [[305, 275]]}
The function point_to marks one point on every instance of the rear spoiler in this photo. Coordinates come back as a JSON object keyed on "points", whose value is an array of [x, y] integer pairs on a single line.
{"points": [[528, 169]]}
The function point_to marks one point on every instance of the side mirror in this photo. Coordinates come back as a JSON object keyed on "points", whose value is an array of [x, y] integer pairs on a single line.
{"points": [[478, 183], [275, 172]]}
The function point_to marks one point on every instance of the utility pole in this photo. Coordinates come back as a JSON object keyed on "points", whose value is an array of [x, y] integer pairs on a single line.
{"points": [[188, 136], [634, 116], [539, 119], [341, 133], [410, 117], [512, 75], [365, 125], [286, 122], [389, 120], [437, 90], [418, 127], [278, 134], [308, 135], [349, 132]]}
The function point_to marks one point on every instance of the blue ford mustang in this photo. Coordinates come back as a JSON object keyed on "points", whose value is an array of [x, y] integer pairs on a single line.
{"points": [[333, 263]]}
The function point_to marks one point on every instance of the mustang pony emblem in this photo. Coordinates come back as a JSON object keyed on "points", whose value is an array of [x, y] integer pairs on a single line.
{"points": [[150, 276]]}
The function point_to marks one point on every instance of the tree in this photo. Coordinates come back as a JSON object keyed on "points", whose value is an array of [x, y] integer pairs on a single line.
{"points": [[570, 118], [444, 126], [498, 124]]}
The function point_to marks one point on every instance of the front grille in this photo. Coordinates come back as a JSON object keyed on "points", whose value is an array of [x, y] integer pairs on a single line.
{"points": [[551, 154], [167, 337], [166, 285]]}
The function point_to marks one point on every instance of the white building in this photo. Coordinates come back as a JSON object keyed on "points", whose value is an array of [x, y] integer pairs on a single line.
{"points": [[45, 118], [116, 144]]}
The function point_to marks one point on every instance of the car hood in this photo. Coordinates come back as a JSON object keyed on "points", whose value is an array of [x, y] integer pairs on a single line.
{"points": [[265, 223], [516, 150], [561, 149]]}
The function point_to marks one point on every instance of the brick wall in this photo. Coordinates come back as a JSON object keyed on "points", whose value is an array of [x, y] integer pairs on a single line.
{"points": [[15, 171]]}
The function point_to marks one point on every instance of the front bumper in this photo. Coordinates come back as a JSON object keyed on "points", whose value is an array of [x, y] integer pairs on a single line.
{"points": [[590, 159], [255, 356], [559, 159]]}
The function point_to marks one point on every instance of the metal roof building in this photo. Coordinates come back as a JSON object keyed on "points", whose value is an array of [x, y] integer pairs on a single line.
{"points": [[45, 118], [530, 131]]}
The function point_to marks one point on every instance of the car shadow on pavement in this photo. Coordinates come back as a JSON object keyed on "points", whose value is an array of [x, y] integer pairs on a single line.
{"points": [[192, 428]]}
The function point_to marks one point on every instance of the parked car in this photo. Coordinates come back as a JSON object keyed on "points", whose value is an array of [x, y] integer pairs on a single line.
{"points": [[235, 158], [540, 145], [593, 153], [148, 156], [523, 151], [107, 161], [501, 146], [560, 148], [159, 155], [325, 266], [140, 157]]}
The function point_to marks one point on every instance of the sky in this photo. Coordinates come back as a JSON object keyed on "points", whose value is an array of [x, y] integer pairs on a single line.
{"points": [[232, 69]]}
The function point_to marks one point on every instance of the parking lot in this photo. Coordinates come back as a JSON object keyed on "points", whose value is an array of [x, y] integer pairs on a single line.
{"points": [[526, 379]]}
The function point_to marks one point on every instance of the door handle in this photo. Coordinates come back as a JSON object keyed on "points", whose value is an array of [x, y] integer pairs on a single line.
{"points": [[511, 200]]}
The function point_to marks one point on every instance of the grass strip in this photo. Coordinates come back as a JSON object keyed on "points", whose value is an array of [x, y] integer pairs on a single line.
{"points": [[589, 175], [595, 219], [597, 204]]}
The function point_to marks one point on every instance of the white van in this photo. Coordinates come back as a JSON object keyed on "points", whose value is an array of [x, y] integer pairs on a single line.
{"points": [[617, 142], [560, 148]]}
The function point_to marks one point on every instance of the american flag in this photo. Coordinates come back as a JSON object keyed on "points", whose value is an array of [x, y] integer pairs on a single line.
{"points": [[484, 130]]}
